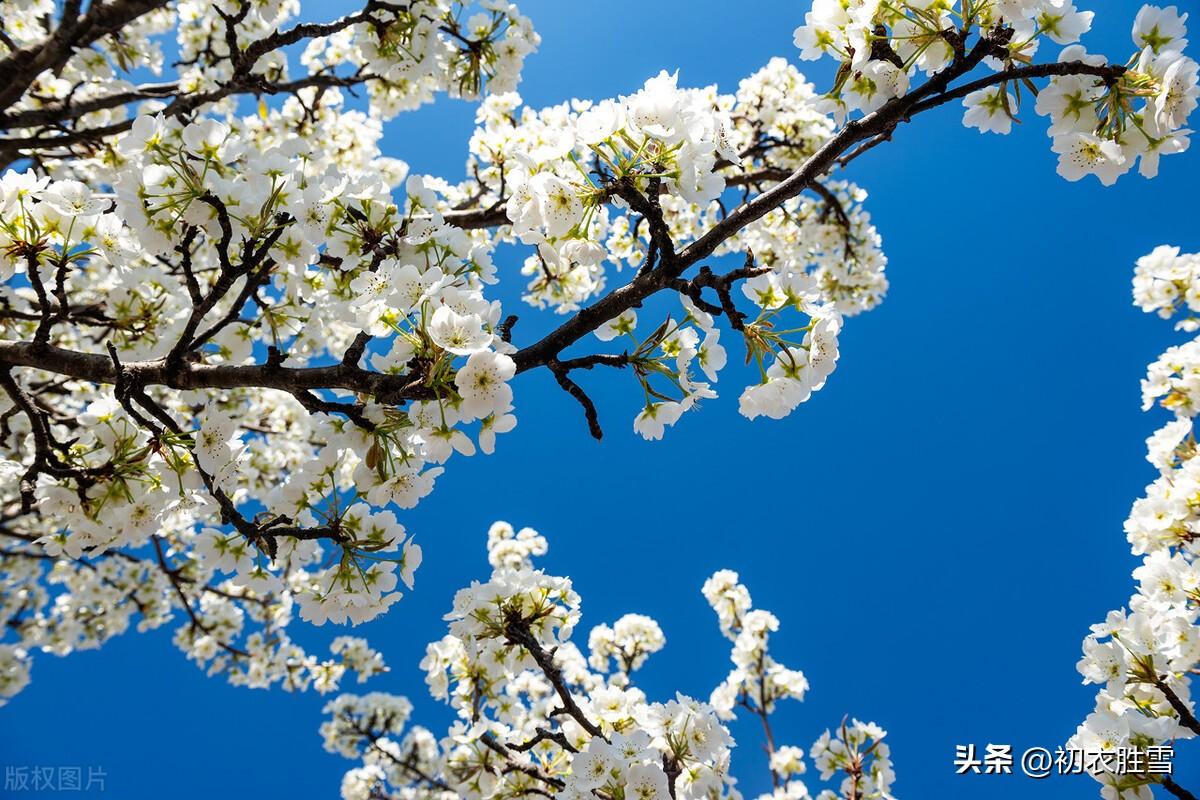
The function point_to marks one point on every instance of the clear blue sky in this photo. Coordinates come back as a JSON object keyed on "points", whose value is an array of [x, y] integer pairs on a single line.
{"points": [[936, 529]]}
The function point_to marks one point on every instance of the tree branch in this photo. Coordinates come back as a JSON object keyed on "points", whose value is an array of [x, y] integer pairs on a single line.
{"points": [[517, 632], [1174, 788], [862, 134], [1186, 718], [22, 67]]}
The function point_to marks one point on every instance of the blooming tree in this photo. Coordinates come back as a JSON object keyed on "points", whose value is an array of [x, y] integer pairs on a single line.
{"points": [[537, 717], [1145, 657], [237, 340]]}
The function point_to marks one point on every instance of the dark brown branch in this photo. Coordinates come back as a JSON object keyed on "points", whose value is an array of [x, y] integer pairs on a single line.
{"points": [[854, 138], [491, 217], [21, 68], [1186, 717], [502, 750], [504, 329], [196, 623], [517, 632], [544, 735], [315, 405], [1174, 788], [409, 764], [673, 770], [73, 109], [562, 369], [721, 284], [649, 207], [1109, 73], [575, 390], [932, 93], [46, 460], [188, 375]]}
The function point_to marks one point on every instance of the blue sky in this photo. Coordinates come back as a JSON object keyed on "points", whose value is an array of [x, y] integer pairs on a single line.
{"points": [[936, 529]]}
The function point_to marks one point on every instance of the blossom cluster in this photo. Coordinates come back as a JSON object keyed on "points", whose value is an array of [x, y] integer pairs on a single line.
{"points": [[237, 341], [1165, 282], [536, 716], [756, 676], [431, 46], [418, 287], [1143, 656], [219, 241], [222, 241], [758, 682], [570, 172], [405, 54], [1103, 120]]}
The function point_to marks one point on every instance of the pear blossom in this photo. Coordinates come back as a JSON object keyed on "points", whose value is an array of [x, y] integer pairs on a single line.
{"points": [[509, 647], [242, 340], [1142, 658], [987, 110], [483, 383]]}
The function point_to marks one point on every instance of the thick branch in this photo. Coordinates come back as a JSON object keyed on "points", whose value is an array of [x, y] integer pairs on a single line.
{"points": [[73, 109], [473, 219], [190, 375], [932, 93], [302, 381], [1177, 790], [1107, 72], [22, 67]]}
